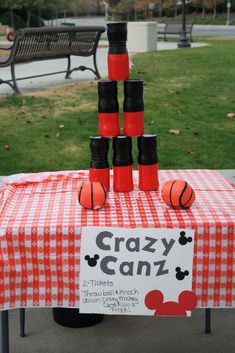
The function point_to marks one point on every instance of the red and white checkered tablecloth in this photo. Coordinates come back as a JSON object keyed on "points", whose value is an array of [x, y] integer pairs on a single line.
{"points": [[40, 230]]}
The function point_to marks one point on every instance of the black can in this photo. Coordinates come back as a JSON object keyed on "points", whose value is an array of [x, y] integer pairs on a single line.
{"points": [[72, 318], [99, 166], [108, 109], [133, 107], [122, 164], [118, 59], [148, 162]]}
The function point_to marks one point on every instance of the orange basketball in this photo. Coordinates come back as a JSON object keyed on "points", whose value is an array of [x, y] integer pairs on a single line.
{"points": [[92, 195], [178, 193]]}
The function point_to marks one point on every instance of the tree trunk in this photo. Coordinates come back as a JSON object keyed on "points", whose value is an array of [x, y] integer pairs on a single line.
{"points": [[28, 18], [12, 16], [39, 16], [175, 11], [203, 11], [160, 8], [214, 15], [56, 16]]}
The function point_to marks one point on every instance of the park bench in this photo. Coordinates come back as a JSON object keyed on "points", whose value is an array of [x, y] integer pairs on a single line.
{"points": [[35, 44], [176, 29]]}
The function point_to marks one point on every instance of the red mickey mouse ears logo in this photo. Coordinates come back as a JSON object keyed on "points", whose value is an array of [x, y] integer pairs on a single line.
{"points": [[187, 300]]}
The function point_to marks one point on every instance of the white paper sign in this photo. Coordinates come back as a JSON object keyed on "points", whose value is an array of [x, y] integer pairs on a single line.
{"points": [[140, 271]]}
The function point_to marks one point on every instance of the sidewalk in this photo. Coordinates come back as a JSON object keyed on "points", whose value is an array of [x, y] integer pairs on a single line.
{"points": [[31, 86], [124, 334]]}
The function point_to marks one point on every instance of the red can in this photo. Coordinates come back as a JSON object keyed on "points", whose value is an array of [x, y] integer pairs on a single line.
{"points": [[118, 59], [122, 164], [148, 177], [118, 67], [133, 123], [133, 107], [123, 178], [148, 162], [99, 166], [108, 109], [108, 125], [101, 175]]}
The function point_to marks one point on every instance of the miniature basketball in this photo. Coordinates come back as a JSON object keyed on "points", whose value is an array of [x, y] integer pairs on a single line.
{"points": [[178, 193], [92, 195]]}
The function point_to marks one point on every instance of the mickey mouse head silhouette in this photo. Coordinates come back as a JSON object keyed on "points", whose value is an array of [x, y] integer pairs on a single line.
{"points": [[187, 300], [92, 261], [181, 274], [183, 240]]}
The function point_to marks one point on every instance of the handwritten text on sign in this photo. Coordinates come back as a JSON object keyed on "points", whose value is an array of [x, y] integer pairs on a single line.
{"points": [[127, 271]]}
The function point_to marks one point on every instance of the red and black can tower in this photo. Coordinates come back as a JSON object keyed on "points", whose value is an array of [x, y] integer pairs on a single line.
{"points": [[122, 164], [99, 166], [148, 162], [108, 109], [133, 107], [118, 59]]}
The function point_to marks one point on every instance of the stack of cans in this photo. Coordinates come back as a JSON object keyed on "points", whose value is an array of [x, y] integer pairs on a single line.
{"points": [[133, 124]]}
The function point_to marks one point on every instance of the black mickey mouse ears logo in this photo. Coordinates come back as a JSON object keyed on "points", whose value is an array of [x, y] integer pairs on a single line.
{"points": [[92, 261], [183, 240], [181, 274]]}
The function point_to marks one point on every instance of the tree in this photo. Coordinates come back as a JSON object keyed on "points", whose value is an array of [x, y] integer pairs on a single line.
{"points": [[142, 5], [171, 5], [9, 4], [124, 7], [81, 6]]}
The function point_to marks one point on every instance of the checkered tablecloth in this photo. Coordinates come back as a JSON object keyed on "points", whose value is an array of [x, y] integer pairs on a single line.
{"points": [[40, 229]]}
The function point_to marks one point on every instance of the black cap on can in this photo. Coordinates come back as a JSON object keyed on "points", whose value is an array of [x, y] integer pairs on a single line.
{"points": [[147, 146], [117, 37], [133, 96], [117, 32], [122, 147], [99, 147], [107, 92]]}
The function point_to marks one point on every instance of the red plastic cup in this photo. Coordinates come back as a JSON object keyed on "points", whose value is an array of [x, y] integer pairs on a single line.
{"points": [[108, 125], [118, 67], [101, 175], [133, 123], [148, 177], [123, 178]]}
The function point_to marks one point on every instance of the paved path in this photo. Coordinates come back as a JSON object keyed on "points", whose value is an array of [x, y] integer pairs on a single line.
{"points": [[208, 30], [198, 30], [53, 81]]}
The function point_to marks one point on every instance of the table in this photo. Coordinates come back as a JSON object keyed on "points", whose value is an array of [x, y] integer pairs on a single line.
{"points": [[40, 228]]}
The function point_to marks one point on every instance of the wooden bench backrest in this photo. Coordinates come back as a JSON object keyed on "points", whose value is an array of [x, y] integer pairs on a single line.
{"points": [[33, 44]]}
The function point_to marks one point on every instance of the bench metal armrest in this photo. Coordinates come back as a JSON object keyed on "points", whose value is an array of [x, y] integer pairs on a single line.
{"points": [[9, 48]]}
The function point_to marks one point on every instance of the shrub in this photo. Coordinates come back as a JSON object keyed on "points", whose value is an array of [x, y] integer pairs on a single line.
{"points": [[5, 19]]}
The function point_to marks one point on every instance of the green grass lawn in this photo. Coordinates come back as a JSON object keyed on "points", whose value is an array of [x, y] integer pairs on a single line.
{"points": [[190, 90]]}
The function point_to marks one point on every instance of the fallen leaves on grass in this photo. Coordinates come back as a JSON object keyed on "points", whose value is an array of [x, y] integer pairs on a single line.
{"points": [[230, 115], [61, 126], [23, 103], [174, 132], [7, 147], [190, 151], [45, 116]]}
